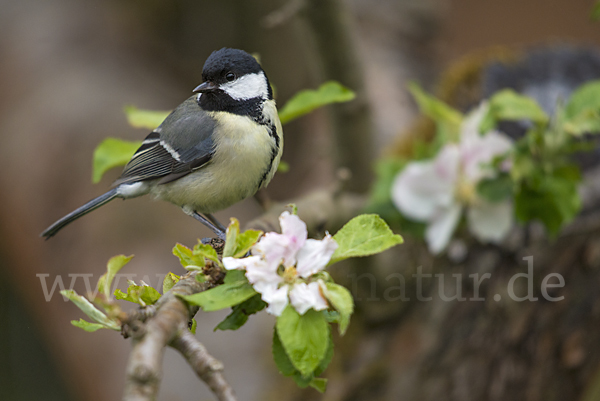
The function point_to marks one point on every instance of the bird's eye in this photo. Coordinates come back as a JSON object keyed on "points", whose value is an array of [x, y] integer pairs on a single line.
{"points": [[230, 76]]}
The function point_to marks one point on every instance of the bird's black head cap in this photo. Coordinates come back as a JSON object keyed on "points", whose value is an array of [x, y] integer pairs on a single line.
{"points": [[225, 61], [233, 82]]}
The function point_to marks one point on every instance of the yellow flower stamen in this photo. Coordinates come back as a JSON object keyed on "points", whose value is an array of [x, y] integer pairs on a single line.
{"points": [[466, 192], [290, 274]]}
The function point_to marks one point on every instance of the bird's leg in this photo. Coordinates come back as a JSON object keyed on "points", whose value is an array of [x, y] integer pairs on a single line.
{"points": [[216, 222], [217, 230]]}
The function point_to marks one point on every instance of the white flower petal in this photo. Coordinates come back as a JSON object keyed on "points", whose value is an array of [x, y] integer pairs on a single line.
{"points": [[306, 296], [423, 187], [315, 255], [240, 264], [259, 272], [441, 228], [490, 222], [277, 298], [295, 229]]}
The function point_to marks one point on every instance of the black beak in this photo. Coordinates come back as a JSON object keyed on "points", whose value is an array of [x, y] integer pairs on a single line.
{"points": [[206, 86]]}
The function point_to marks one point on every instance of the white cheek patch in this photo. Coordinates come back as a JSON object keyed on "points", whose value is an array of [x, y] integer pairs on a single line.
{"points": [[247, 87]]}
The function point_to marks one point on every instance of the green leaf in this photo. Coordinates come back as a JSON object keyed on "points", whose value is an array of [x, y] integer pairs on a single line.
{"points": [[552, 199], [149, 119], [239, 315], [319, 384], [496, 189], [187, 258], [245, 241], [341, 299], [170, 280], [112, 152], [304, 338], [90, 310], [140, 294], [286, 368], [207, 252], [281, 358], [447, 119], [596, 12], [364, 235], [509, 105], [582, 112], [87, 326], [307, 100], [235, 289], [113, 266], [434, 108], [233, 230], [194, 326], [283, 167]]}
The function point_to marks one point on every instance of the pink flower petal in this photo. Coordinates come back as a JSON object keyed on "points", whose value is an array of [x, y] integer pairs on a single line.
{"points": [[295, 229]]}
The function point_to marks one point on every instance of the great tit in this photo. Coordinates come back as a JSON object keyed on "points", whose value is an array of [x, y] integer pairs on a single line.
{"points": [[217, 148]]}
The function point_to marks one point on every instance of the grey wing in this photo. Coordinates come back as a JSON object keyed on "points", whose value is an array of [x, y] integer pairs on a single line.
{"points": [[181, 144]]}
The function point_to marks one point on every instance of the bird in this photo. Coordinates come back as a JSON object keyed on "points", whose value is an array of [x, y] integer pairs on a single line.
{"points": [[218, 147]]}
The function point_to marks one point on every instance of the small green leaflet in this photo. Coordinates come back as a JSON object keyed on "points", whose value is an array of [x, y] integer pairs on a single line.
{"points": [[90, 310], [509, 105], [112, 152], [87, 326], [304, 338], [233, 230], [187, 258], [582, 113], [170, 280], [233, 291], [237, 245], [308, 100], [552, 199], [140, 294], [447, 119], [113, 266], [364, 235], [239, 314], [149, 119], [286, 368], [341, 299], [496, 189], [206, 251]]}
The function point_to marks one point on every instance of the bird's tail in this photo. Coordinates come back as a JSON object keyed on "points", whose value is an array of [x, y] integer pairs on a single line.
{"points": [[77, 213]]}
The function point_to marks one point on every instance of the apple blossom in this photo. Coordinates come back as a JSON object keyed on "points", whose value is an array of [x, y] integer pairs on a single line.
{"points": [[282, 266], [437, 191]]}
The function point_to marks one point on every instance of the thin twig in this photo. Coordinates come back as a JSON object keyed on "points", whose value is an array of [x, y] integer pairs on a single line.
{"points": [[208, 369], [151, 338]]}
